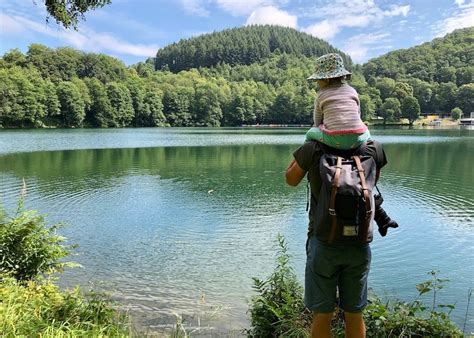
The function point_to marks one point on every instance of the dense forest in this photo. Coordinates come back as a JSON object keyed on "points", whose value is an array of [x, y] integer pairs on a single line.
{"points": [[214, 80], [240, 46]]}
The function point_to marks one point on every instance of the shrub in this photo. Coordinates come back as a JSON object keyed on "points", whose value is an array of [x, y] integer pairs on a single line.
{"points": [[28, 247], [34, 309], [278, 309], [456, 114]]}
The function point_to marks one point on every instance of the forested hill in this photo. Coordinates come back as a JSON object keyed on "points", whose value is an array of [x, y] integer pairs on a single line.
{"points": [[446, 59], [64, 87], [439, 74], [240, 46]]}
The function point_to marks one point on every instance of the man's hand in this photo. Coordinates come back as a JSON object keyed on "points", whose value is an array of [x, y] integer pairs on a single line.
{"points": [[294, 174]]}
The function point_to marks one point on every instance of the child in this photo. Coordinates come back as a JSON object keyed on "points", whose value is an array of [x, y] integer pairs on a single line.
{"points": [[337, 121]]}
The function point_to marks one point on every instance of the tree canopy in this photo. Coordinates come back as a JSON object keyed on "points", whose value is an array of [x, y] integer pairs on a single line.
{"points": [[69, 12], [65, 87], [240, 46]]}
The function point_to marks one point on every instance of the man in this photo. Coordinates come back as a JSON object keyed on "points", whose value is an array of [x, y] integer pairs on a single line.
{"points": [[331, 267]]}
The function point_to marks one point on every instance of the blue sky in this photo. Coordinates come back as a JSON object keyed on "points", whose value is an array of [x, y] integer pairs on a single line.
{"points": [[132, 30]]}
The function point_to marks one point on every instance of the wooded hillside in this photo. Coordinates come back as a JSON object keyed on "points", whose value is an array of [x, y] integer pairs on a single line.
{"points": [[240, 46], [64, 87]]}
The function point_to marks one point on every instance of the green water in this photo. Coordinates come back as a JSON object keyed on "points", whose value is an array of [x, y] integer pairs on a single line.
{"points": [[178, 221]]}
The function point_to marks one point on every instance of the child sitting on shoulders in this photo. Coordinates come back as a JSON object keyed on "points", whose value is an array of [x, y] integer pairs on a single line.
{"points": [[337, 121]]}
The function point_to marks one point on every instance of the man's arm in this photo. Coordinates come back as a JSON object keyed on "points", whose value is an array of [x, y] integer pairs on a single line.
{"points": [[294, 174]]}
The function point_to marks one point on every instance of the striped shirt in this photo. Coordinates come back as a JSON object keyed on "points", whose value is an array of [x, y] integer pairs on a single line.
{"points": [[337, 110]]}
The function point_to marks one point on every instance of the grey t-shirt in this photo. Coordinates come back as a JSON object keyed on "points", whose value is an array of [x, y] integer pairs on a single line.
{"points": [[307, 156]]}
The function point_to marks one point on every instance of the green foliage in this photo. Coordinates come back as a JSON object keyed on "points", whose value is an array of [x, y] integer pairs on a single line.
{"points": [[410, 108], [36, 309], [465, 98], [240, 46], [456, 113], [435, 70], [412, 319], [390, 110], [249, 75], [367, 107], [68, 12], [121, 104], [72, 104], [278, 309], [29, 247], [33, 306]]}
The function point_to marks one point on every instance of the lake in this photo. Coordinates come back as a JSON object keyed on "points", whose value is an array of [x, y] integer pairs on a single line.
{"points": [[176, 222]]}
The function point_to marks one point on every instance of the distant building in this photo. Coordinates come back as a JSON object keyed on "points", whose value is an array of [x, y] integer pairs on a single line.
{"points": [[468, 121]]}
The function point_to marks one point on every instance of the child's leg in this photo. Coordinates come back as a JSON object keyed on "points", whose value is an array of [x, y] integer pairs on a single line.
{"points": [[346, 141], [314, 134]]}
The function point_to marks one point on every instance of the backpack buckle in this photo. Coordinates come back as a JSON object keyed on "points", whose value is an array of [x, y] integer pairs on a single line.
{"points": [[332, 212]]}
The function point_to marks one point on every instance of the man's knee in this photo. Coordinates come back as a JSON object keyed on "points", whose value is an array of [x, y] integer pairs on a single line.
{"points": [[353, 316], [323, 318]]}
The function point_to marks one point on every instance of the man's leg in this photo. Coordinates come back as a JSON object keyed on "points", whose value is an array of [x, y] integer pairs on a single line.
{"points": [[321, 327], [355, 326]]}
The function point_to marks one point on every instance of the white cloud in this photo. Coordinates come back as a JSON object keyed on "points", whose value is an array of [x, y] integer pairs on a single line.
{"points": [[269, 15], [323, 30], [195, 7], [349, 13], [459, 2], [398, 10], [9, 25], [463, 18], [242, 7], [85, 39], [358, 46]]}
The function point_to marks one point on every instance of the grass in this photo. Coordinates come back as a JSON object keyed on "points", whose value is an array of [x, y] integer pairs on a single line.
{"points": [[36, 308]]}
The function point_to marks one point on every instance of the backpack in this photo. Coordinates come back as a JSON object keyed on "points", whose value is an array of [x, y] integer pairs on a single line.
{"points": [[345, 207]]}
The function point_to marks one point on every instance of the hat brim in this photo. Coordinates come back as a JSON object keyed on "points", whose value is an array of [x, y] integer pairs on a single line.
{"points": [[319, 76]]}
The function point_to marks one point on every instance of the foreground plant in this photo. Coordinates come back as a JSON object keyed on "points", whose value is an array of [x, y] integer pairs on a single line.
{"points": [[30, 248], [34, 309], [278, 309], [30, 304]]}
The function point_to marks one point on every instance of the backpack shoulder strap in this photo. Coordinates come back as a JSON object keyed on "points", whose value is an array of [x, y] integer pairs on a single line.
{"points": [[332, 201], [365, 191]]}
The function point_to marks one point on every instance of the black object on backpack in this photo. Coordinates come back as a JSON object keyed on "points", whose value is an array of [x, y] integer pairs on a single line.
{"points": [[346, 205]]}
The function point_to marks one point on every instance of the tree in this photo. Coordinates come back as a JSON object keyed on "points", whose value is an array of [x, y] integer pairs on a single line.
{"points": [[402, 90], [100, 113], [445, 96], [68, 12], [207, 109], [152, 115], [410, 109], [367, 107], [177, 105], [72, 104], [465, 98], [121, 103], [385, 85], [456, 113], [390, 110]]}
